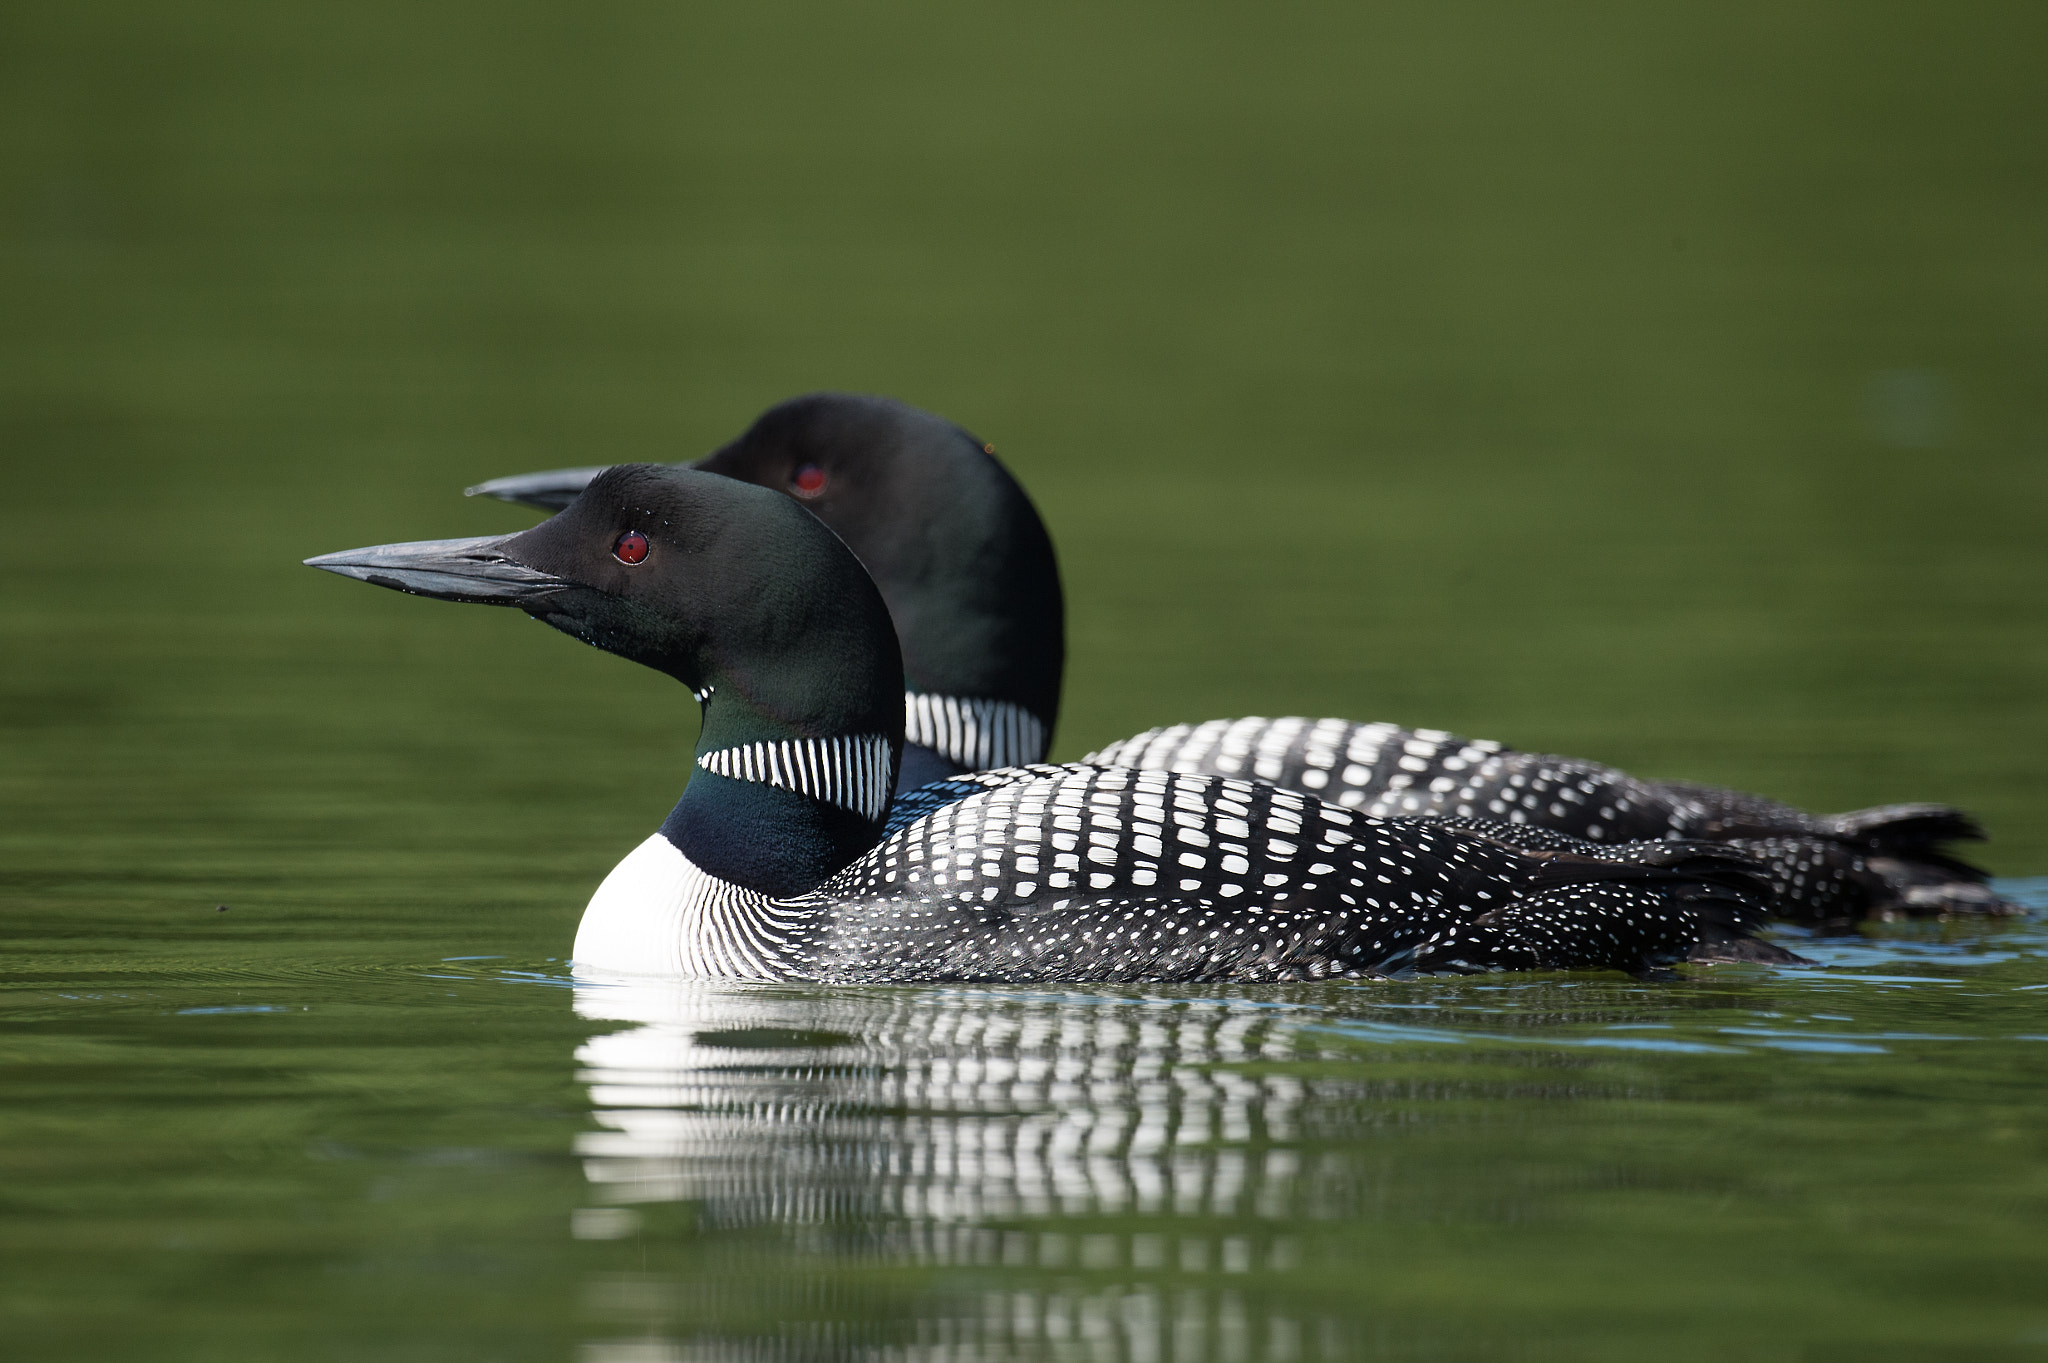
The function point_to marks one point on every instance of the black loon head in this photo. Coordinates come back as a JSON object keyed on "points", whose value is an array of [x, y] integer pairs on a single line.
{"points": [[954, 544], [752, 604]]}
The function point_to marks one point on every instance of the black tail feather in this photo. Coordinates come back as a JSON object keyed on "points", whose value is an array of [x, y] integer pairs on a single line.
{"points": [[1635, 907], [1717, 946], [1906, 868], [1927, 887], [1912, 830]]}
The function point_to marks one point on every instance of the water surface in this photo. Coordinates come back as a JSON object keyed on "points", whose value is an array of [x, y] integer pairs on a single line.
{"points": [[214, 1153]]}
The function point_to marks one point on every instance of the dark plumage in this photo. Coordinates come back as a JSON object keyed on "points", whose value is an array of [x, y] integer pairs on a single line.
{"points": [[776, 864], [1073, 873], [1826, 870], [967, 571], [954, 544]]}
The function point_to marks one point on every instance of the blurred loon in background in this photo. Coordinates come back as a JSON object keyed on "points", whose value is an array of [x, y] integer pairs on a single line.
{"points": [[967, 569], [776, 863], [958, 551]]}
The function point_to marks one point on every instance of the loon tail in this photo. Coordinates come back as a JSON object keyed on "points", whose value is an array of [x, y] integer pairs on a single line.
{"points": [[1637, 907], [1729, 893], [1895, 830], [1903, 868]]}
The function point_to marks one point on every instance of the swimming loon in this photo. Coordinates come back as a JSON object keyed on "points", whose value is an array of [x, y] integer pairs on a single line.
{"points": [[891, 479], [1828, 870], [960, 555], [774, 864]]}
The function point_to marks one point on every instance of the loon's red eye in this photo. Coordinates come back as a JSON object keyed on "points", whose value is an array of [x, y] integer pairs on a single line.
{"points": [[809, 481], [630, 547]]}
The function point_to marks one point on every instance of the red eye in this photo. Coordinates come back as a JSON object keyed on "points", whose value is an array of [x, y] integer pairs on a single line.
{"points": [[630, 547], [809, 481]]}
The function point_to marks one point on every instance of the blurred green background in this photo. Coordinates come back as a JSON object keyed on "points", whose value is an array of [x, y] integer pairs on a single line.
{"points": [[1656, 384]]}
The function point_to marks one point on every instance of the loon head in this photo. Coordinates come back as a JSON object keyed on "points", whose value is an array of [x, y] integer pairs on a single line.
{"points": [[751, 603], [955, 546]]}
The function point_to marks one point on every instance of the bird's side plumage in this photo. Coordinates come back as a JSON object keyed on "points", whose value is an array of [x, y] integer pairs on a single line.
{"points": [[1051, 874], [776, 862], [1826, 870]]}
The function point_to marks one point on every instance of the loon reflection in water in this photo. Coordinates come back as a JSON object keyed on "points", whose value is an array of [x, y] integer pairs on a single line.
{"points": [[952, 1128], [935, 1107]]}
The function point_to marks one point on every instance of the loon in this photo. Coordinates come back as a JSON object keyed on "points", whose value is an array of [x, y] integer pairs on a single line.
{"points": [[1827, 870], [966, 567], [776, 864], [960, 555]]}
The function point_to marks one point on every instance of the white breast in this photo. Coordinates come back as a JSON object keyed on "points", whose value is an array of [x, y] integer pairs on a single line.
{"points": [[658, 913]]}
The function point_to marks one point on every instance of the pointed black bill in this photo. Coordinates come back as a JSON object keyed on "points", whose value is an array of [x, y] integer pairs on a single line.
{"points": [[454, 570], [550, 491]]}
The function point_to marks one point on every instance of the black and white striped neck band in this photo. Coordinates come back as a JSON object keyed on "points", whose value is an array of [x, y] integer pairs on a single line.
{"points": [[851, 772], [978, 734]]}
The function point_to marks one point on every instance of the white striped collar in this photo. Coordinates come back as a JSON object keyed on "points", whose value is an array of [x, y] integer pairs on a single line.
{"points": [[978, 734], [851, 771]]}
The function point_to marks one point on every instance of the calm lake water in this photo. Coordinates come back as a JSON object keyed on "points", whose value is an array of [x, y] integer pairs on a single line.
{"points": [[1657, 384], [234, 1145]]}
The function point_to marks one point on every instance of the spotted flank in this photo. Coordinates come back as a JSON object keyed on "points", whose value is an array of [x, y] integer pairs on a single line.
{"points": [[977, 734], [1830, 870], [1088, 873], [851, 772], [1389, 771]]}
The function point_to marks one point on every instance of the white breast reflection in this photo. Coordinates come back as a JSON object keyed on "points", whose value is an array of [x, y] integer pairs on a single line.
{"points": [[935, 1127]]}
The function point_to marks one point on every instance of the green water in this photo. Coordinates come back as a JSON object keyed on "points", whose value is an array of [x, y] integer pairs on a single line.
{"points": [[1654, 384]]}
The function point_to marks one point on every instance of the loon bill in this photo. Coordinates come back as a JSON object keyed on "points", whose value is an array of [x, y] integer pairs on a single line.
{"points": [[960, 555], [776, 863], [967, 570]]}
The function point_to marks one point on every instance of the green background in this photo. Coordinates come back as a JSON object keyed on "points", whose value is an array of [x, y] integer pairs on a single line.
{"points": [[1659, 384], [1662, 385]]}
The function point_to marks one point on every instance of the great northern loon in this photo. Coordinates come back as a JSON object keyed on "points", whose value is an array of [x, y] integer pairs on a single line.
{"points": [[959, 553], [775, 864], [967, 569]]}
